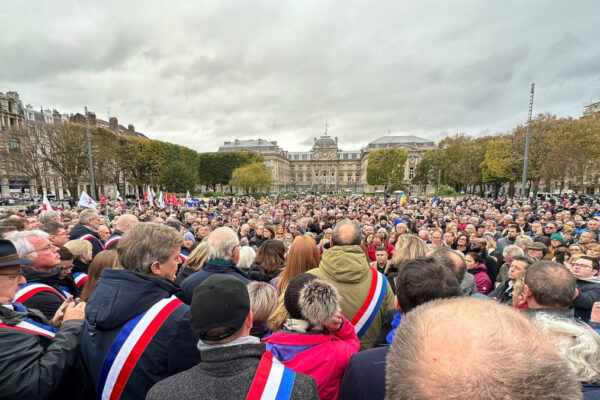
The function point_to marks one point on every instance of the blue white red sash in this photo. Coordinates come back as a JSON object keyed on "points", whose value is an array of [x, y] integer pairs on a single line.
{"points": [[114, 239], [90, 236], [272, 380], [367, 312], [183, 255], [30, 325], [80, 278], [129, 345], [29, 290]]}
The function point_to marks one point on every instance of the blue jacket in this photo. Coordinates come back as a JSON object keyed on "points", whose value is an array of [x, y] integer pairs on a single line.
{"points": [[119, 297], [364, 378], [210, 267]]}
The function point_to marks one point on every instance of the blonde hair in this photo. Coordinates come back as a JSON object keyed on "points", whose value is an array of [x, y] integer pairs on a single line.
{"points": [[196, 260], [78, 247], [263, 300], [490, 241], [408, 247]]}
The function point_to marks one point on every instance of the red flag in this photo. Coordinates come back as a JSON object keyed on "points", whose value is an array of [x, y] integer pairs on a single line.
{"points": [[167, 199], [173, 200], [102, 200], [145, 197], [180, 204]]}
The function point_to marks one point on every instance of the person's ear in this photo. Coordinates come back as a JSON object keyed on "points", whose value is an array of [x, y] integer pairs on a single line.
{"points": [[527, 292], [396, 304], [155, 268], [248, 322]]}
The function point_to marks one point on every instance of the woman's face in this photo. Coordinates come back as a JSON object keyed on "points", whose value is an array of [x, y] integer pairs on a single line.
{"points": [[66, 268], [593, 252], [370, 238], [461, 241], [470, 262], [576, 251], [280, 229], [266, 234]]}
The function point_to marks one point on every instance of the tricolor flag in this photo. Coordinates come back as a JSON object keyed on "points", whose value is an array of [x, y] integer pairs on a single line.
{"points": [[47, 205], [434, 202], [86, 201]]}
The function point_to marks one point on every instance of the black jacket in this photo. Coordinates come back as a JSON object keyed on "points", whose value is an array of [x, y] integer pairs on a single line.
{"points": [[589, 293], [210, 267], [225, 373], [364, 378], [37, 367], [80, 230], [255, 273], [45, 301], [119, 297]]}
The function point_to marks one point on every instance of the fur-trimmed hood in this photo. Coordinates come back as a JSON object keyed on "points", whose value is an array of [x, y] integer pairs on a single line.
{"points": [[318, 302]]}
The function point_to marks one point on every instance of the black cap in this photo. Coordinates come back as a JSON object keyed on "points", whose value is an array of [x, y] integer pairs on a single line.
{"points": [[221, 301], [9, 256]]}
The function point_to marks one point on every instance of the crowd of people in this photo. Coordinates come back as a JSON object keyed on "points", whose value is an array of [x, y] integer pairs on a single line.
{"points": [[335, 297]]}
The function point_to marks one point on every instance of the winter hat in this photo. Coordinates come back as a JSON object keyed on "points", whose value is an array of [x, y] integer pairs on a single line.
{"points": [[316, 301], [292, 294], [221, 301], [557, 236], [398, 221], [189, 235]]}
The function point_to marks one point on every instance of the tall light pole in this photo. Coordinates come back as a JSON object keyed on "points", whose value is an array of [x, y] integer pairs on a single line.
{"points": [[91, 159], [524, 191]]}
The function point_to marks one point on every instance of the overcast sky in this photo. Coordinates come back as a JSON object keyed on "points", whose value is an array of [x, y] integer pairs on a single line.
{"points": [[203, 72]]}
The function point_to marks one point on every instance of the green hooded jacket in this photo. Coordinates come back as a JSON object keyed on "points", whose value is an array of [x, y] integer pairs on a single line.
{"points": [[346, 268]]}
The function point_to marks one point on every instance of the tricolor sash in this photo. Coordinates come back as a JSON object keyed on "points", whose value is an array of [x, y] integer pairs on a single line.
{"points": [[29, 290], [29, 325], [111, 240], [129, 345], [272, 381], [367, 312], [90, 236], [183, 255], [80, 278]]}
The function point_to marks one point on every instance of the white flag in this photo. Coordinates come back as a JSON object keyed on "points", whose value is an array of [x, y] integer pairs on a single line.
{"points": [[140, 206], [150, 195], [86, 201], [188, 198], [161, 203], [119, 196], [46, 203]]}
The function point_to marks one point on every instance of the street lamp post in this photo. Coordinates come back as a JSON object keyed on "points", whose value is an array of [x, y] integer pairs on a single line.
{"points": [[524, 191], [91, 159]]}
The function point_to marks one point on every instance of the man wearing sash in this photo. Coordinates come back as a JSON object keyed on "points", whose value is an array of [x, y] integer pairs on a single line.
{"points": [[87, 229], [42, 290], [136, 331], [234, 365], [37, 360], [123, 223], [366, 294]]}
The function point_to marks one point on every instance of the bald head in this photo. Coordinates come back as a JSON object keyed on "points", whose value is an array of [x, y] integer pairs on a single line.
{"points": [[346, 233], [125, 221], [446, 349]]}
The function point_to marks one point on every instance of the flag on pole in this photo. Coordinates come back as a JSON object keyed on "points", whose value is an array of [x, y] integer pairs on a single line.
{"points": [[140, 206], [403, 199], [153, 193], [434, 202], [102, 200], [180, 202], [46, 203], [161, 203], [168, 199], [173, 199], [188, 198], [119, 196], [86, 201]]}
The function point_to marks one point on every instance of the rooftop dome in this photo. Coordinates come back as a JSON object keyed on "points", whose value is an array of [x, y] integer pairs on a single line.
{"points": [[325, 141]]}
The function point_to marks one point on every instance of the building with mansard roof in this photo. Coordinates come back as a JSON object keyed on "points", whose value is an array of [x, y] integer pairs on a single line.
{"points": [[326, 167]]}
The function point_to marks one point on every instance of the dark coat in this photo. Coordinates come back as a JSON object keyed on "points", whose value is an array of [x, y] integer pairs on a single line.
{"points": [[256, 274], [364, 378], [80, 230], [591, 392], [46, 302], [36, 367], [589, 293], [120, 296], [182, 274], [80, 266], [210, 267], [225, 373]]}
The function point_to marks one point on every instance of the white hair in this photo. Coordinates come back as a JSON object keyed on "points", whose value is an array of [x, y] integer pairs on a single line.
{"points": [[512, 251], [221, 243], [576, 343], [247, 255], [49, 216], [22, 244]]}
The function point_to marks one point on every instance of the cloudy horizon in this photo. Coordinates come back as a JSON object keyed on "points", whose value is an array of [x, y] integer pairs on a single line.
{"points": [[207, 72]]}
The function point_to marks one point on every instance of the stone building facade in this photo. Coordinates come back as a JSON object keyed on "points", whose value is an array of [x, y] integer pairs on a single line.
{"points": [[326, 168]]}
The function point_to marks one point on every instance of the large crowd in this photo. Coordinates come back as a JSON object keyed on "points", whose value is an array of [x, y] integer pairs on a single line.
{"points": [[315, 297]]}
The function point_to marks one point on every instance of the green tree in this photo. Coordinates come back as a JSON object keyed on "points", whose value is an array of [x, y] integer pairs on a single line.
{"points": [[427, 170], [252, 178], [386, 167], [179, 177]]}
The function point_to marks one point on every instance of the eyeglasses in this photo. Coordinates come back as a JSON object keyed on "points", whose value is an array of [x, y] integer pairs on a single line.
{"points": [[580, 266], [49, 247], [17, 274]]}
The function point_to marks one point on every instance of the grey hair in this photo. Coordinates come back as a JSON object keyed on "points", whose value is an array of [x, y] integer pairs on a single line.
{"points": [[512, 251], [576, 343], [247, 255], [144, 244], [346, 233], [86, 215], [49, 216], [221, 243], [22, 244], [263, 301]]}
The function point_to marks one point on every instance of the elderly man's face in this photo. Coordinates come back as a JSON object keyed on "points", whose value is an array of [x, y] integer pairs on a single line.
{"points": [[44, 255], [537, 254], [10, 279], [103, 232], [94, 222]]}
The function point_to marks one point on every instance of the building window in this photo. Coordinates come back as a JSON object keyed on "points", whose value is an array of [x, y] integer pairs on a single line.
{"points": [[411, 173]]}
